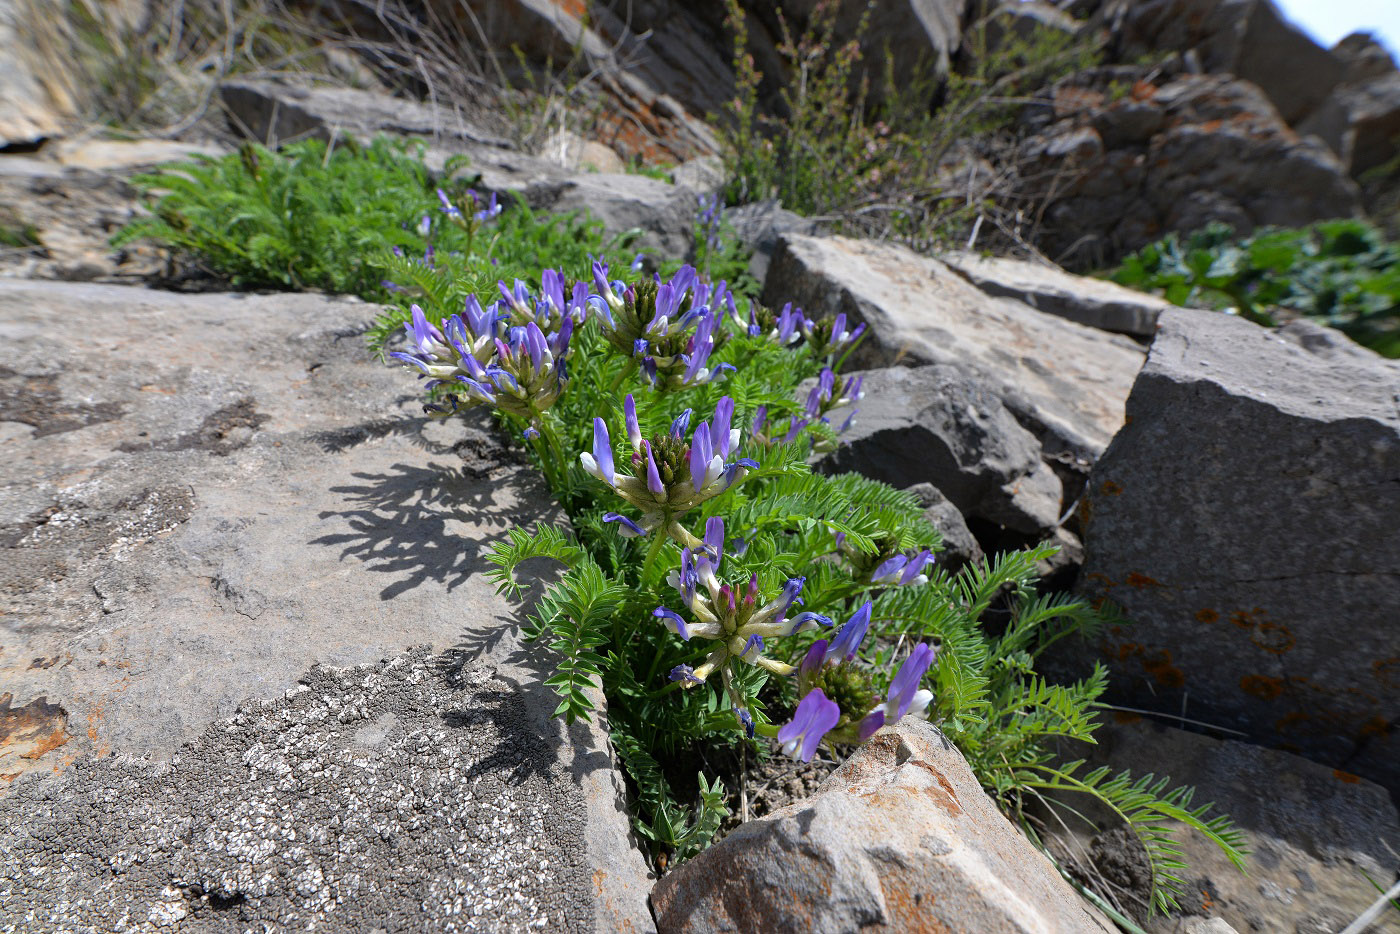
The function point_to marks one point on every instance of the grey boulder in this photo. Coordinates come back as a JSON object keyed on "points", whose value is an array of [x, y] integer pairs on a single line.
{"points": [[271, 112], [1065, 382], [931, 424], [1315, 833], [1244, 519], [900, 838]]}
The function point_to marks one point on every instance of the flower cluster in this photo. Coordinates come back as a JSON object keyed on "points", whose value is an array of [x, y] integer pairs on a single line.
{"points": [[829, 336], [669, 328], [671, 473], [784, 328], [821, 401], [838, 702], [510, 355]]}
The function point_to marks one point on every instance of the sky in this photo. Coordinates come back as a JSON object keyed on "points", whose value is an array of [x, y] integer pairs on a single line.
{"points": [[1329, 20]]}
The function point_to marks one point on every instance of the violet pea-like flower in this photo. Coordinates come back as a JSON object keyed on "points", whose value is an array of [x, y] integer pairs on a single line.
{"points": [[904, 695], [815, 717]]}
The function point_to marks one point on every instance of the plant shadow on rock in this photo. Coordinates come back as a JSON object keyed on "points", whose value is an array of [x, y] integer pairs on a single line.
{"points": [[399, 522]]}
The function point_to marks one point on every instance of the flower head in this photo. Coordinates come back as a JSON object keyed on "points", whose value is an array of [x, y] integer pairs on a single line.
{"points": [[671, 473]]}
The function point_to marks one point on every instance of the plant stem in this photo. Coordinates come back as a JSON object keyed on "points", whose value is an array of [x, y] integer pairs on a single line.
{"points": [[656, 546]]}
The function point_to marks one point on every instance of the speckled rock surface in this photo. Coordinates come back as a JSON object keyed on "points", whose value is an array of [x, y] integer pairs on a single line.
{"points": [[1245, 521], [410, 795], [204, 496], [900, 838]]}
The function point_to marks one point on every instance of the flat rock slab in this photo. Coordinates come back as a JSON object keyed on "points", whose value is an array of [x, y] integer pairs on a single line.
{"points": [[1245, 520], [1097, 303], [204, 496], [1064, 381], [397, 796]]}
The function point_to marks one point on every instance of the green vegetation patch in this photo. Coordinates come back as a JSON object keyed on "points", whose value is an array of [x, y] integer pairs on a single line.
{"points": [[1341, 273]]}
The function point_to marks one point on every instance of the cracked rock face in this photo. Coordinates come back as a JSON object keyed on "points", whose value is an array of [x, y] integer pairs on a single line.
{"points": [[1244, 519]]}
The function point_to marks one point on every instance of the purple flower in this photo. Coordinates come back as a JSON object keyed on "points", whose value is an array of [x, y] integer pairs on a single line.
{"points": [[815, 716], [814, 659], [904, 693], [848, 640], [870, 723], [685, 674], [714, 539], [654, 483], [630, 529], [700, 456], [600, 462], [724, 414], [673, 621], [634, 431], [745, 719], [681, 425]]}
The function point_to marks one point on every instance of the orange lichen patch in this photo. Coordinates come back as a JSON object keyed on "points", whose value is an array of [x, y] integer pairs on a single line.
{"points": [[30, 731], [1086, 510], [1124, 651], [1140, 581], [1143, 90], [1347, 777], [1387, 671], [1123, 716], [1376, 726], [1163, 671], [1207, 616], [944, 796], [1102, 579], [1290, 721], [575, 8], [9, 776], [1109, 488], [1247, 619], [48, 744], [1274, 638], [598, 879], [1262, 686]]}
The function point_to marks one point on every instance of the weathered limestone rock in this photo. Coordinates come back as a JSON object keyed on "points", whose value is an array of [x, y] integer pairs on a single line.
{"points": [[931, 424], [663, 213], [1063, 381], [900, 838], [1315, 833], [1360, 122], [761, 226], [1093, 302], [202, 497], [1123, 155], [1244, 519]]}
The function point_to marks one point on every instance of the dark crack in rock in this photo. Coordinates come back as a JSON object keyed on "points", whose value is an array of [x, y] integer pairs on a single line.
{"points": [[401, 796]]}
